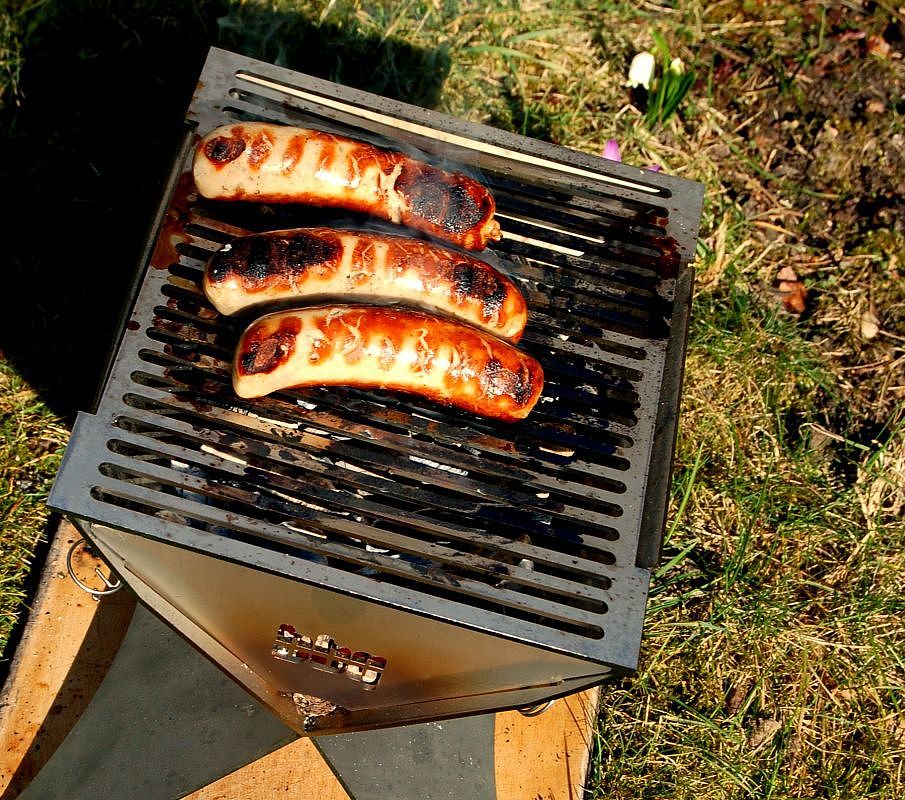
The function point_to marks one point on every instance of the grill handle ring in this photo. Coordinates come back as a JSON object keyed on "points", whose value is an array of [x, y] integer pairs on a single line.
{"points": [[112, 586], [536, 710]]}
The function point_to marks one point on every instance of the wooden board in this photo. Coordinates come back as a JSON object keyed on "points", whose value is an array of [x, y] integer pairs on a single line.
{"points": [[70, 640], [66, 647]]}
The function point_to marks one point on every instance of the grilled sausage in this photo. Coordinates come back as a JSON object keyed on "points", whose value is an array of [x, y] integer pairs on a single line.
{"points": [[297, 264], [282, 164], [378, 347]]}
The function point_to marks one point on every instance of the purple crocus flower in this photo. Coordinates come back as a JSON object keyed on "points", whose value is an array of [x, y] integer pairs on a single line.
{"points": [[611, 150], [612, 153]]}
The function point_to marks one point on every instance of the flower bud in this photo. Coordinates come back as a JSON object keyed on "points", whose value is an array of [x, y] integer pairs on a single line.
{"points": [[641, 70]]}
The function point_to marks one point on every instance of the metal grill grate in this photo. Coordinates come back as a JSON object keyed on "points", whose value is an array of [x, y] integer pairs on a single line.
{"points": [[541, 531]]}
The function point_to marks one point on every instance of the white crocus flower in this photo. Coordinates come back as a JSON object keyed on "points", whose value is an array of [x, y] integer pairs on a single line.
{"points": [[641, 71], [676, 66]]}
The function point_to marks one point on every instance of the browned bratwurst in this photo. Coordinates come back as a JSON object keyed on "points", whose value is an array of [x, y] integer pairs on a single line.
{"points": [[269, 163], [305, 262], [377, 347]]}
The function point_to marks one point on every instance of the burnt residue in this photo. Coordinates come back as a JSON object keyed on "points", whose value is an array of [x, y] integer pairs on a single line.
{"points": [[261, 259], [478, 281], [178, 328], [198, 403], [670, 259], [454, 203], [264, 350], [498, 380], [261, 148], [188, 305], [172, 230], [222, 149]]}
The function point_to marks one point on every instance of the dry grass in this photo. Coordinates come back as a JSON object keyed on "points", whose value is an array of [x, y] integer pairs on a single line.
{"points": [[772, 652], [31, 443], [772, 663]]}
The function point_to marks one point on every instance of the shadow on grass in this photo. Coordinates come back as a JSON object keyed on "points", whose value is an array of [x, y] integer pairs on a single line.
{"points": [[103, 92]]}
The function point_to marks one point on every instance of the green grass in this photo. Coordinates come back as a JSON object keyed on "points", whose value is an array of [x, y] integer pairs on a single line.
{"points": [[772, 660], [772, 657], [31, 444]]}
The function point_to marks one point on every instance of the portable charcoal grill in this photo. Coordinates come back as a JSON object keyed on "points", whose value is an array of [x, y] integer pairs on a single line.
{"points": [[359, 559]]}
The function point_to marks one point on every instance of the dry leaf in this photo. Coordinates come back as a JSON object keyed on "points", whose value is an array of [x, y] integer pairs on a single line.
{"points": [[737, 696], [763, 732], [716, 269], [878, 46], [794, 296], [875, 106], [787, 274], [870, 324]]}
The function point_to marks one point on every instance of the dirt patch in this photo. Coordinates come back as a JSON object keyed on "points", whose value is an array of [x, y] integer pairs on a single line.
{"points": [[817, 94]]}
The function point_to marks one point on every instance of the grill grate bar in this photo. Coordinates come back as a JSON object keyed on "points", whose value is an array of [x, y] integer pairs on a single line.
{"points": [[320, 408], [547, 285], [606, 299], [516, 489], [581, 203], [567, 219], [612, 428], [499, 596], [179, 328], [608, 383], [588, 398], [363, 416], [456, 564], [259, 473], [536, 475]]}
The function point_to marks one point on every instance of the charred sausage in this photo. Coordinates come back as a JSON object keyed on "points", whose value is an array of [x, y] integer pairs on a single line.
{"points": [[378, 347], [306, 262], [269, 163]]}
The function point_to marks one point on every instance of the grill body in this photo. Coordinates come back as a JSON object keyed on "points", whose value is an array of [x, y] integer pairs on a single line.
{"points": [[359, 559]]}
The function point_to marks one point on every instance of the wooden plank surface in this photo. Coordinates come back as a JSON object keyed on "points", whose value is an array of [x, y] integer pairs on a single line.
{"points": [[296, 770], [66, 648], [546, 757], [71, 639]]}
